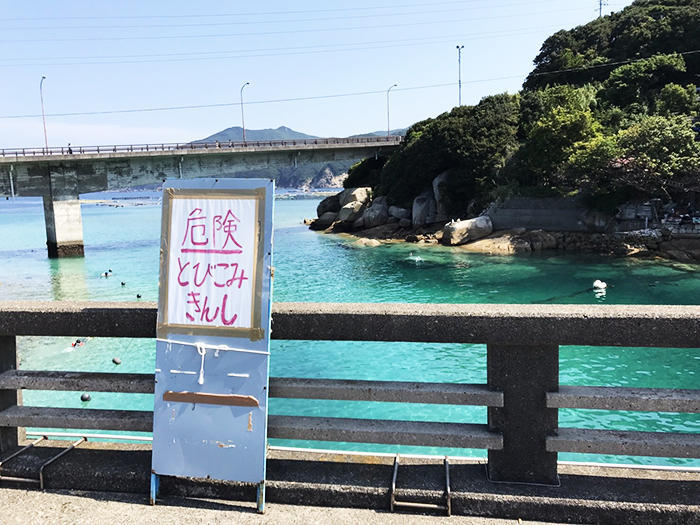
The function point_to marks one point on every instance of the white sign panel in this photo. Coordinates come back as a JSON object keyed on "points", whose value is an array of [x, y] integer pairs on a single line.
{"points": [[211, 262]]}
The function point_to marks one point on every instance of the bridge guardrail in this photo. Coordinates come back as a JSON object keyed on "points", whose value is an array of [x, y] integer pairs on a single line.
{"points": [[522, 392], [176, 146]]}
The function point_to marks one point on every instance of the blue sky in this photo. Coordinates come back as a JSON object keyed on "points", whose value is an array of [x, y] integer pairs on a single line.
{"points": [[106, 56]]}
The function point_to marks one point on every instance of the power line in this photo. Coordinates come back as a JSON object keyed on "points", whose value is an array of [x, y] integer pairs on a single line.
{"points": [[259, 13], [320, 97], [270, 101], [285, 21], [289, 31], [280, 51]]}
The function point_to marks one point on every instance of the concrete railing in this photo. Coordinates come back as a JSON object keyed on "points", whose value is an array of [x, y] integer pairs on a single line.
{"points": [[522, 392], [214, 145]]}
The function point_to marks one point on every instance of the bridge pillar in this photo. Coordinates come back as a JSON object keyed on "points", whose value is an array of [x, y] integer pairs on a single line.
{"points": [[64, 222]]}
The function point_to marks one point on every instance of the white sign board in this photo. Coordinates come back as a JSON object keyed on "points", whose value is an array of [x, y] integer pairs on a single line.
{"points": [[211, 263], [213, 331]]}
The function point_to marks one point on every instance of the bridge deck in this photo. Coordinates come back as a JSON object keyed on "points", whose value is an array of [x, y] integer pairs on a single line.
{"points": [[74, 153]]}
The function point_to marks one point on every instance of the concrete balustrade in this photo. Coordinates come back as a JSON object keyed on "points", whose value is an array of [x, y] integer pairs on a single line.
{"points": [[522, 392], [522, 395]]}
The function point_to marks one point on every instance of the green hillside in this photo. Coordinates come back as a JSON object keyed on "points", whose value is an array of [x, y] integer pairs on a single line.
{"points": [[619, 123]]}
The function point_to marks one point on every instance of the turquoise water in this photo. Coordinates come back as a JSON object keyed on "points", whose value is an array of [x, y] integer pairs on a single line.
{"points": [[315, 267]]}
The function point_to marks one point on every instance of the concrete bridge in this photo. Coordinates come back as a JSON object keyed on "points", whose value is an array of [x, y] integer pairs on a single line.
{"points": [[60, 175]]}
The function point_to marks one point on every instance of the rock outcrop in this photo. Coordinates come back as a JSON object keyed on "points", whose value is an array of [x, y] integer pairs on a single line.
{"points": [[377, 214], [424, 209], [399, 213], [349, 195], [351, 211], [324, 221], [331, 203], [439, 194], [461, 232]]}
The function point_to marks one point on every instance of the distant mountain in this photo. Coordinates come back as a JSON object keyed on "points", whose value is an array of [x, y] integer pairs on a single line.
{"points": [[236, 135], [399, 132], [316, 175]]}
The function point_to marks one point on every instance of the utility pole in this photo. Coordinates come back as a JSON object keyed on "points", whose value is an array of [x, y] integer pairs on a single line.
{"points": [[242, 116], [43, 115], [601, 3], [459, 61], [388, 127]]}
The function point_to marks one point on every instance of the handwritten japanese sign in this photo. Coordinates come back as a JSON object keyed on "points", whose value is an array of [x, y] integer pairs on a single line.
{"points": [[212, 262]]}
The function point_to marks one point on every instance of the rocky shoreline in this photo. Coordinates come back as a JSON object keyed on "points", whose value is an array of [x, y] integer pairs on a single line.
{"points": [[373, 222]]}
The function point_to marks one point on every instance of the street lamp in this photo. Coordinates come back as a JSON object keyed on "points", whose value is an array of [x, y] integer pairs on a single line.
{"points": [[242, 117], [388, 127], [43, 115], [459, 60]]}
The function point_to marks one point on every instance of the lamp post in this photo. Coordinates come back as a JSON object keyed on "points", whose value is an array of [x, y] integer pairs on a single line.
{"points": [[43, 115], [459, 61], [388, 127], [242, 116]]}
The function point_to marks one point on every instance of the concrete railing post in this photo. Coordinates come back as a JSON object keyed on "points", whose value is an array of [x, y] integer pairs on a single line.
{"points": [[8, 398], [524, 374]]}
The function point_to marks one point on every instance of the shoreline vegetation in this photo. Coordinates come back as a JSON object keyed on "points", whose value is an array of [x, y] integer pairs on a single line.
{"points": [[599, 152]]}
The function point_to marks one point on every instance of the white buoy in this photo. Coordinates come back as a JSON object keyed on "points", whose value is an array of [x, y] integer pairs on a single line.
{"points": [[600, 285]]}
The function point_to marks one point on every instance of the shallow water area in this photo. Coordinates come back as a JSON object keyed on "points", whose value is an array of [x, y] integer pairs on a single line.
{"points": [[123, 236]]}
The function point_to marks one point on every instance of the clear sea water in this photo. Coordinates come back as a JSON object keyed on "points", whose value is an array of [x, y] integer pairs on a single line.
{"points": [[325, 268]]}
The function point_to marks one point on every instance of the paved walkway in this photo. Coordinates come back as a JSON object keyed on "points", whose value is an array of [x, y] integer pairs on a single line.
{"points": [[24, 507]]}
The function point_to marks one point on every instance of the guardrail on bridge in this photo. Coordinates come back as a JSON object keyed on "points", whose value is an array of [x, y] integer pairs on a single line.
{"points": [[522, 392], [214, 145]]}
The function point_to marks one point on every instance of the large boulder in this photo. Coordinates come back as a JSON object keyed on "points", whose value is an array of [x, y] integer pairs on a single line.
{"points": [[399, 213], [329, 204], [423, 207], [439, 194], [349, 195], [377, 214], [460, 232], [324, 221], [504, 242], [351, 211]]}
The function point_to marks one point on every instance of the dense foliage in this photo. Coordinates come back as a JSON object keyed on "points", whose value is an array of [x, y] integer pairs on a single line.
{"points": [[617, 124]]}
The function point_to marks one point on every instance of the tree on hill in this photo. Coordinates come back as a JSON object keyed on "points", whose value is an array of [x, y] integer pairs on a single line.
{"points": [[641, 82], [643, 29], [656, 157], [471, 143]]}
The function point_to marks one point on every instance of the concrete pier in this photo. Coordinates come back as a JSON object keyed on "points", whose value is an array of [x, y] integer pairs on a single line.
{"points": [[64, 227]]}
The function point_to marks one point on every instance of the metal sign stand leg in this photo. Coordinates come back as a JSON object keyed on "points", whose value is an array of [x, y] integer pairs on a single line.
{"points": [[261, 497], [155, 483]]}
